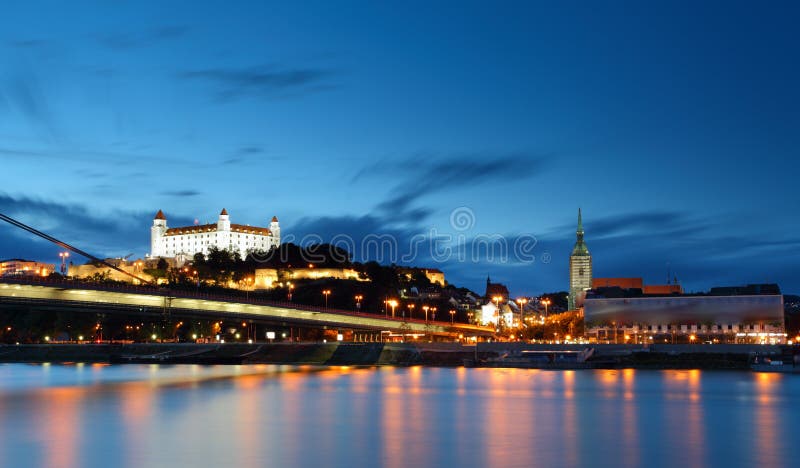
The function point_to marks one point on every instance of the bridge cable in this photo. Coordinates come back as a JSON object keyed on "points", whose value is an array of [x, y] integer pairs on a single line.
{"points": [[69, 247]]}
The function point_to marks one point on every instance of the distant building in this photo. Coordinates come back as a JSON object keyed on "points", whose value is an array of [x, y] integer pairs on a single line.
{"points": [[265, 278], [135, 268], [434, 276], [20, 267], [748, 314], [637, 283], [580, 269], [189, 240], [495, 289]]}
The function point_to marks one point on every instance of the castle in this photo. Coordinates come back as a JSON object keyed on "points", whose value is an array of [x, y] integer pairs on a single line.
{"points": [[189, 240]]}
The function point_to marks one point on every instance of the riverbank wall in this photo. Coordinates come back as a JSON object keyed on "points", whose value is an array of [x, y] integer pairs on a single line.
{"points": [[390, 354]]}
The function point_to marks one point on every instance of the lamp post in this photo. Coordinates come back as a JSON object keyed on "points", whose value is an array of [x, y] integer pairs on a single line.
{"points": [[392, 303], [452, 317], [358, 298], [497, 300], [326, 293], [289, 294], [411, 311], [521, 301], [545, 302], [433, 316], [63, 256], [426, 308]]}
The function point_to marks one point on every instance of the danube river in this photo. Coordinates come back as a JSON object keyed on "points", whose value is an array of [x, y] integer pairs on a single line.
{"points": [[249, 416]]}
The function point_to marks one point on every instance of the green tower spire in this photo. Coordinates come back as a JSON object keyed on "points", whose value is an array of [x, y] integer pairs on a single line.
{"points": [[580, 246]]}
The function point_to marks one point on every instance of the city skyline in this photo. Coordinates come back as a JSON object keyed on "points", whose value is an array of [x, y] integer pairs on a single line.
{"points": [[678, 144]]}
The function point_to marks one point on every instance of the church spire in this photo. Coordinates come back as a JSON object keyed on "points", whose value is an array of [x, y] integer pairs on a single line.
{"points": [[580, 245]]}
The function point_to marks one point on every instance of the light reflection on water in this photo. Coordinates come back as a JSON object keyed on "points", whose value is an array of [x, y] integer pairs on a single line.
{"points": [[84, 415]]}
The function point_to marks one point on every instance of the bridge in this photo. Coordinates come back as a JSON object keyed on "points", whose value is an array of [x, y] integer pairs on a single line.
{"points": [[66, 295]]}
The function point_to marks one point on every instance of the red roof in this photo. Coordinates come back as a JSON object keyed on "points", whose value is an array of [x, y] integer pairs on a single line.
{"points": [[224, 212], [241, 228], [274, 219], [160, 215]]}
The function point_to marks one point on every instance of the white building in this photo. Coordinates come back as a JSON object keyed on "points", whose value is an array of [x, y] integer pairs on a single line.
{"points": [[189, 240]]}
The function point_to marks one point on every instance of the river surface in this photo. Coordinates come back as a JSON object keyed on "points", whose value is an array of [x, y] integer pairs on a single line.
{"points": [[249, 416]]}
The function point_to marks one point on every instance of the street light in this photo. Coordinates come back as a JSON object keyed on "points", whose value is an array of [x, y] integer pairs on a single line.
{"points": [[426, 308], [497, 300], [63, 256], [289, 294], [452, 317], [358, 298], [546, 303], [392, 303], [433, 314], [326, 293], [521, 301], [411, 311]]}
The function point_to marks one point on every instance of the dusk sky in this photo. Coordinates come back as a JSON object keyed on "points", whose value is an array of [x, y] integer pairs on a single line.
{"points": [[674, 126]]}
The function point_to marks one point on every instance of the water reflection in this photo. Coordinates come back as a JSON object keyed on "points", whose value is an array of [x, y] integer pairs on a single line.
{"points": [[70, 416]]}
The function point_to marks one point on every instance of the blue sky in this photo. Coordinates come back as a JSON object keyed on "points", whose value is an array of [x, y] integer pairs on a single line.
{"points": [[674, 126]]}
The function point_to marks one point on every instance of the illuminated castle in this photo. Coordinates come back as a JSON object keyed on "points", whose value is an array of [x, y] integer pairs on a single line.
{"points": [[189, 240]]}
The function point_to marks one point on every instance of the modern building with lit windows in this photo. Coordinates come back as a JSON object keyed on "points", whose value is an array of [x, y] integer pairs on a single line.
{"points": [[747, 314], [20, 267]]}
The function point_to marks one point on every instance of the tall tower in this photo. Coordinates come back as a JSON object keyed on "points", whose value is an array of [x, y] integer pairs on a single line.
{"points": [[275, 230], [580, 269], [224, 230], [157, 231]]}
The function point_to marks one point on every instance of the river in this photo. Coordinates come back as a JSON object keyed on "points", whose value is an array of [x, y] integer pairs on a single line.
{"points": [[262, 415]]}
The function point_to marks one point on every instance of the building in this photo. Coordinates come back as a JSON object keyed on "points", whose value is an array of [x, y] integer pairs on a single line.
{"points": [[495, 290], [187, 241], [580, 269], [20, 267], [265, 278], [750, 314], [136, 268], [637, 283], [434, 276]]}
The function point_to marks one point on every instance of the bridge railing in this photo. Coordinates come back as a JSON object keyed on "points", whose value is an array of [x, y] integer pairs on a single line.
{"points": [[210, 296]]}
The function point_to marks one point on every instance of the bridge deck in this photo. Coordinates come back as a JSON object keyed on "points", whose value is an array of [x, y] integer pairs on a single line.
{"points": [[74, 294]]}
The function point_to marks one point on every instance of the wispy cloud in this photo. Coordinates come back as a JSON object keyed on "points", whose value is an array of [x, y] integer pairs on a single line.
{"points": [[181, 193], [108, 233], [428, 174], [121, 41], [265, 81]]}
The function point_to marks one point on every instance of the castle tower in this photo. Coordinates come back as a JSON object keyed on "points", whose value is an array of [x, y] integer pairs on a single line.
{"points": [[275, 230], [224, 230], [157, 232], [580, 269]]}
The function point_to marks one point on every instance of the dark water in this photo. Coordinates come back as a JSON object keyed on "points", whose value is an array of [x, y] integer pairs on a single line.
{"points": [[93, 415]]}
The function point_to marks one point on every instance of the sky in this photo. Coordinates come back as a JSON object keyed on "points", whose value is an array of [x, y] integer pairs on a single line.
{"points": [[461, 135]]}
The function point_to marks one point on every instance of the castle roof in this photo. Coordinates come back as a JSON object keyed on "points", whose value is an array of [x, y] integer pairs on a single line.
{"points": [[160, 215], [240, 228], [224, 212], [274, 219]]}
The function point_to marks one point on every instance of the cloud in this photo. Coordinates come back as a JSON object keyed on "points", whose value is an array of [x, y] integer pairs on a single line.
{"points": [[427, 174], [102, 234], [27, 96], [121, 41], [266, 81], [243, 154], [181, 193], [29, 43]]}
